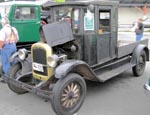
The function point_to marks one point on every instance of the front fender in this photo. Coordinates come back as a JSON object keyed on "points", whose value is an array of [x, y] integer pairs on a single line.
{"points": [[25, 64], [137, 51], [75, 66], [13, 57]]}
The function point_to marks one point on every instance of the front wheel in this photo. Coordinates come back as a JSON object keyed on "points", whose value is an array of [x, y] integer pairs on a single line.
{"points": [[68, 94], [14, 72], [140, 66]]}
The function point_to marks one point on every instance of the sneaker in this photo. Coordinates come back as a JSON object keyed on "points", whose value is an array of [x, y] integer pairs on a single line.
{"points": [[147, 87], [2, 81]]}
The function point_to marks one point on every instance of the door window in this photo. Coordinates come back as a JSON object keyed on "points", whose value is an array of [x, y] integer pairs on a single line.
{"points": [[104, 21], [88, 20]]}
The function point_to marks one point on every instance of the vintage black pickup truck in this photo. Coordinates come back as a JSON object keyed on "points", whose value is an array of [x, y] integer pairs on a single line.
{"points": [[81, 43]]}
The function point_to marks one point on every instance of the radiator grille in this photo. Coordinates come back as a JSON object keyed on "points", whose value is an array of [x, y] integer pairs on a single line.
{"points": [[39, 56]]}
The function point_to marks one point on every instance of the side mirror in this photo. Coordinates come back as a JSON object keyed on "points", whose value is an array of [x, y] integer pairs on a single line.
{"points": [[91, 8]]}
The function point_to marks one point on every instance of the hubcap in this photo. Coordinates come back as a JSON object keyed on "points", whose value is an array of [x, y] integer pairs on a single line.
{"points": [[141, 63], [71, 95]]}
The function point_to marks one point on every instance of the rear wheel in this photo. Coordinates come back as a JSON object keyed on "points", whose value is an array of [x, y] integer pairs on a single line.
{"points": [[15, 72], [68, 94], [140, 66]]}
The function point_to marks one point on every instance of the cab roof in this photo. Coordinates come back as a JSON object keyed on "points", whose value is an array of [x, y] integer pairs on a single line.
{"points": [[84, 2]]}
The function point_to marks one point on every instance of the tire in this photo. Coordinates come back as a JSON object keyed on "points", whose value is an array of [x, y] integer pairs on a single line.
{"points": [[14, 72], [68, 94], [140, 66]]}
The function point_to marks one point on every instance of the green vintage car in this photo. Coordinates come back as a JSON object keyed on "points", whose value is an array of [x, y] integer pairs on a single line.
{"points": [[26, 17]]}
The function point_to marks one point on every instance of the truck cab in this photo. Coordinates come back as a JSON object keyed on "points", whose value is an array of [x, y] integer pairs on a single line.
{"points": [[93, 25], [81, 43]]}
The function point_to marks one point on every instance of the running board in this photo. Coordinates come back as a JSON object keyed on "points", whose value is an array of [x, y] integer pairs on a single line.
{"points": [[114, 72]]}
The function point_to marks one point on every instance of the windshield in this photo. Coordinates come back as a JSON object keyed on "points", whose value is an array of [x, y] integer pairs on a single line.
{"points": [[69, 14], [4, 10]]}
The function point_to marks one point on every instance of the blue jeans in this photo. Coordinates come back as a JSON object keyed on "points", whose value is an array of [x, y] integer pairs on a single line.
{"points": [[6, 53], [139, 37]]}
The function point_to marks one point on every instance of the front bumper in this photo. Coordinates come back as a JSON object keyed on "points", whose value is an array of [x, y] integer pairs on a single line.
{"points": [[31, 88]]}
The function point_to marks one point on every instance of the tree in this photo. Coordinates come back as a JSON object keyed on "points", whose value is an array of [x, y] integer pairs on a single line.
{"points": [[143, 9]]}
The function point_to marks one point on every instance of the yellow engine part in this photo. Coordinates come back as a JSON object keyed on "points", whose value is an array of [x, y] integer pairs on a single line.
{"points": [[47, 52]]}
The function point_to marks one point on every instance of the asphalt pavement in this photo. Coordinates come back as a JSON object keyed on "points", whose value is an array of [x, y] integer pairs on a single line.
{"points": [[122, 95]]}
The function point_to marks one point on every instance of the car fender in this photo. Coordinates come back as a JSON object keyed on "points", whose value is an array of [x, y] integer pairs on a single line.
{"points": [[13, 57], [25, 64], [137, 51], [75, 66]]}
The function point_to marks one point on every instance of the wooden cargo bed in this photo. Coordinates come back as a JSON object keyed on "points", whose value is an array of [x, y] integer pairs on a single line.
{"points": [[126, 47]]}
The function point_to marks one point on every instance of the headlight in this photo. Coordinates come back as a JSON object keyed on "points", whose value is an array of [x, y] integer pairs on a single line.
{"points": [[52, 60], [22, 53]]}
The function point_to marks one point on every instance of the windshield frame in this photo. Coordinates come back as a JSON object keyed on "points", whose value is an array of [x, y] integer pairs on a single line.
{"points": [[75, 16]]}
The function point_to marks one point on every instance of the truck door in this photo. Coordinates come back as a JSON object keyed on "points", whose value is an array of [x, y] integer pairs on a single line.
{"points": [[89, 37], [106, 40], [27, 21], [99, 35]]}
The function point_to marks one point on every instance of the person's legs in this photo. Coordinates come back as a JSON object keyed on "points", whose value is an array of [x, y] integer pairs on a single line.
{"points": [[138, 37], [6, 53], [4, 63]]}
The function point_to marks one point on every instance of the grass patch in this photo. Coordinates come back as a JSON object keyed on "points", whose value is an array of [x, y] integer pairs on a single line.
{"points": [[147, 30]]}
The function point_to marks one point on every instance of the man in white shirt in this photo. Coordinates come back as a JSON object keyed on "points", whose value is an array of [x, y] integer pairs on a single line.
{"points": [[8, 39]]}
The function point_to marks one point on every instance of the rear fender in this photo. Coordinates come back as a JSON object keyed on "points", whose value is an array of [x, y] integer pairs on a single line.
{"points": [[75, 66], [137, 51]]}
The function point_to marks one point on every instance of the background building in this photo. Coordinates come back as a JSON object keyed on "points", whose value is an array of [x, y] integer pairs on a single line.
{"points": [[129, 10]]}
